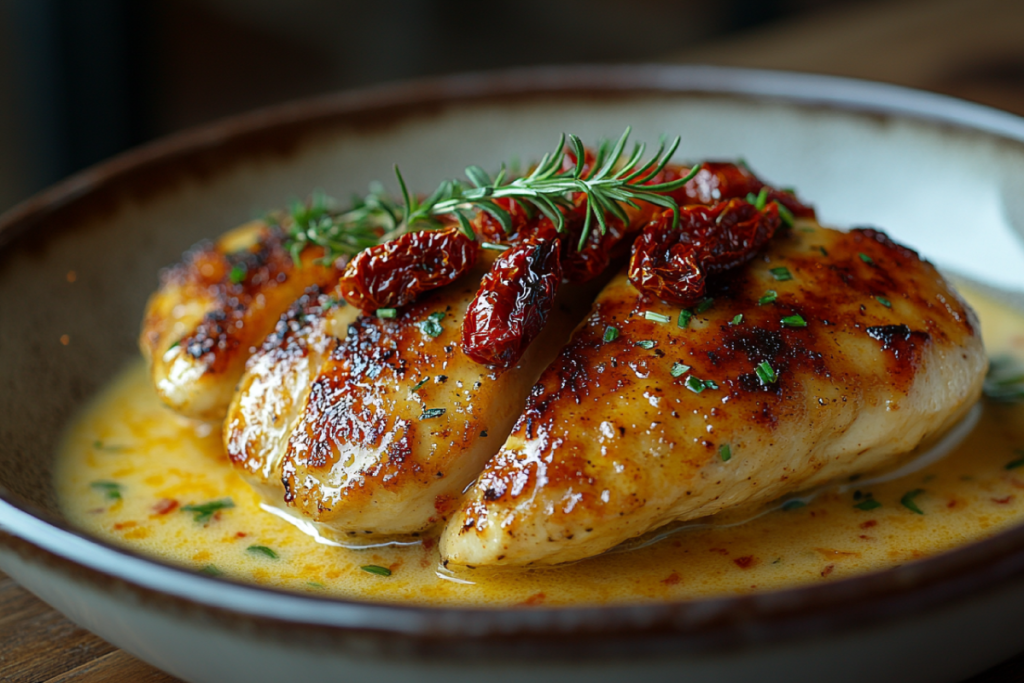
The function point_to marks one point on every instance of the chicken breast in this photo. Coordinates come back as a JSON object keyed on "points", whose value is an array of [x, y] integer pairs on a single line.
{"points": [[215, 308], [831, 353], [370, 427]]}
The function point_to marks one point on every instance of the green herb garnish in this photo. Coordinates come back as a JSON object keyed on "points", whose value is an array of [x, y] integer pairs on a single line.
{"points": [[203, 512], [822, 250], [684, 318], [1014, 464], [737, 319], [704, 305], [793, 505], [770, 296], [656, 317], [110, 448], [110, 489], [613, 182], [211, 570], [237, 273], [866, 259], [387, 313], [795, 320], [697, 385], [766, 373], [786, 215], [1005, 380], [725, 452], [611, 334], [419, 385], [263, 550], [868, 503], [376, 569], [432, 325], [781, 273], [908, 501], [430, 413], [645, 344], [885, 302], [679, 369]]}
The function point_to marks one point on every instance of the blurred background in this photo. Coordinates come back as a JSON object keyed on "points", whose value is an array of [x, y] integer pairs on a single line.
{"points": [[81, 80]]}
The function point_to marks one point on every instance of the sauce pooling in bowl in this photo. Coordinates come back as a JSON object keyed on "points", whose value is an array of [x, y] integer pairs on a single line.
{"points": [[134, 474]]}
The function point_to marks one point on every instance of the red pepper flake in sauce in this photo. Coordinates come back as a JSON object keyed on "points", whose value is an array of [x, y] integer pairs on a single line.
{"points": [[535, 599], [1003, 501], [672, 579], [165, 505], [868, 524], [745, 562], [827, 570]]}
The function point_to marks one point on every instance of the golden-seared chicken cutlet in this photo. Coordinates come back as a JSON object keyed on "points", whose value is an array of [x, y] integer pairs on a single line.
{"points": [[369, 425], [215, 307], [830, 353]]}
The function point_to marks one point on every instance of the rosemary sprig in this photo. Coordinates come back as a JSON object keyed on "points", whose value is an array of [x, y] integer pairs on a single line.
{"points": [[1005, 380], [613, 182]]}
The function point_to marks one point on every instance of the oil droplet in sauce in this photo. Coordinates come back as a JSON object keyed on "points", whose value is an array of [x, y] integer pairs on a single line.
{"points": [[133, 473]]}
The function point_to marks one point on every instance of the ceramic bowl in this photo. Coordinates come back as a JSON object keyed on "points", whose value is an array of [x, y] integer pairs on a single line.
{"points": [[943, 175]]}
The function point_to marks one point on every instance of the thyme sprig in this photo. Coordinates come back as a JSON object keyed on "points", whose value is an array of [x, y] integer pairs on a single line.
{"points": [[613, 182]]}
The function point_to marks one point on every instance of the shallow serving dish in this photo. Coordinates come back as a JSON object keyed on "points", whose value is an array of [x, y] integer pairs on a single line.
{"points": [[942, 175]]}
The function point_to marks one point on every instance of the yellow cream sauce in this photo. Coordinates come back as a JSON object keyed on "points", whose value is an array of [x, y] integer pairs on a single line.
{"points": [[129, 467]]}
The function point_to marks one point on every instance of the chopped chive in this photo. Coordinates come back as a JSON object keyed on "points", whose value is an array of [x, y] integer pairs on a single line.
{"points": [[684, 318], [611, 334], [885, 302], [725, 452], [1014, 464], [822, 250], [736, 320], [263, 550], [766, 373], [419, 385], [315, 584], [432, 325], [376, 569], [781, 273], [795, 320], [866, 259], [697, 385], [494, 247], [786, 215], [203, 512], [175, 345], [110, 489], [793, 505], [908, 501], [868, 503], [678, 369], [656, 317], [769, 297], [110, 448], [387, 313], [432, 413], [704, 305], [762, 199], [211, 570], [237, 274], [645, 344]]}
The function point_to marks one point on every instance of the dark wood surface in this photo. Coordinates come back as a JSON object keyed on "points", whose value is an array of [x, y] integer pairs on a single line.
{"points": [[966, 48]]}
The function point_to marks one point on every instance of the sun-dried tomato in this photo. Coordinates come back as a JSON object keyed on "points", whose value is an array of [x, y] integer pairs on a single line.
{"points": [[394, 273], [718, 181], [673, 263], [513, 303]]}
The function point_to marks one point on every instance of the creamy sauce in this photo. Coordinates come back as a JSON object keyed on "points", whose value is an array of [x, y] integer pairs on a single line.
{"points": [[129, 467]]}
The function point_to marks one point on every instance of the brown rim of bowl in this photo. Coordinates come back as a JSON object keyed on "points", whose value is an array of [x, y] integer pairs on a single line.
{"points": [[663, 628]]}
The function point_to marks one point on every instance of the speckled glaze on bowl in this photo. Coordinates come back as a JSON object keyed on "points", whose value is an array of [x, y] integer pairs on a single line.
{"points": [[943, 175]]}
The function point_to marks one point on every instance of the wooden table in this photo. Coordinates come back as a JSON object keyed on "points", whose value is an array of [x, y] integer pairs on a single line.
{"points": [[967, 48]]}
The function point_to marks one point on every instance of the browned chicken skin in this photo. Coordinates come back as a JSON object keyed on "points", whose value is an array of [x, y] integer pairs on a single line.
{"points": [[863, 352], [215, 308], [368, 426]]}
